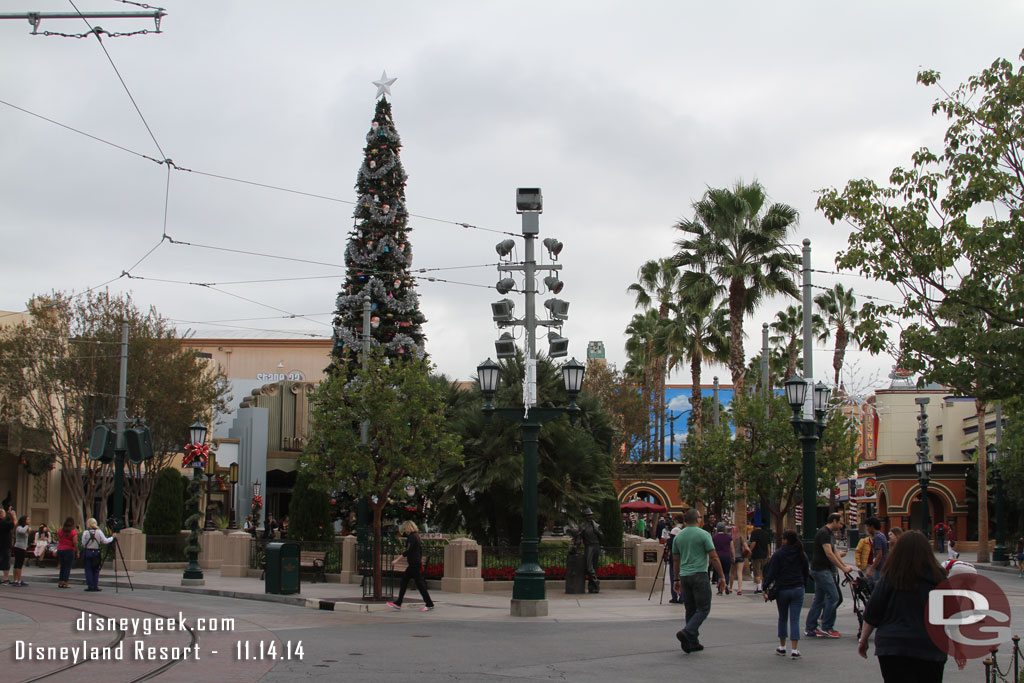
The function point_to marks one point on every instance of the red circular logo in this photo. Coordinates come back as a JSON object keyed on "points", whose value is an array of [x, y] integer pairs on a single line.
{"points": [[967, 615]]}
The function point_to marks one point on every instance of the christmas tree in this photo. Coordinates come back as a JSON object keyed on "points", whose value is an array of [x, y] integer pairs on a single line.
{"points": [[379, 254]]}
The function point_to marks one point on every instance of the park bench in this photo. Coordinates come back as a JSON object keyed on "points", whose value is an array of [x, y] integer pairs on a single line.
{"points": [[313, 561]]}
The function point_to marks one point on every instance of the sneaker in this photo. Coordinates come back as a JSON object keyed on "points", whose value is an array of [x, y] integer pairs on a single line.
{"points": [[394, 606], [781, 651], [757, 591], [739, 592], [831, 633], [684, 642], [427, 608], [795, 654], [811, 634]]}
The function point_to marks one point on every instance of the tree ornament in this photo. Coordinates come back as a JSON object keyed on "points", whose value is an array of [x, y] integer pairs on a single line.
{"points": [[374, 321]]}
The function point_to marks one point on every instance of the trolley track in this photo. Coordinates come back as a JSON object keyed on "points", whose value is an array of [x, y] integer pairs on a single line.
{"points": [[80, 606]]}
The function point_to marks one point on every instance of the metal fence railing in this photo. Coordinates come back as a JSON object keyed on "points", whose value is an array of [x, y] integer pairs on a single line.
{"points": [[332, 559], [499, 563]]}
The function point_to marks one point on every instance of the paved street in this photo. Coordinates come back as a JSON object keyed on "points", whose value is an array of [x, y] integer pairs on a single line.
{"points": [[615, 636]]}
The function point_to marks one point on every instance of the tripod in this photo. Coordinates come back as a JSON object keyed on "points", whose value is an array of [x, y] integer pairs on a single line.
{"points": [[118, 553], [666, 557]]}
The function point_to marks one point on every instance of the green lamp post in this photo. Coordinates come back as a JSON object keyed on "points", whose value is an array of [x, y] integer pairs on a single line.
{"points": [[528, 589], [199, 452]]}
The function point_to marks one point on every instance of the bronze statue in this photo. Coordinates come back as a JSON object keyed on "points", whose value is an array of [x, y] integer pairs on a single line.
{"points": [[589, 532]]}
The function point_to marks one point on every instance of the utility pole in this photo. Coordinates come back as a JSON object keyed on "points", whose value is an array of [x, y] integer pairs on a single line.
{"points": [[714, 407], [765, 380], [362, 507], [120, 448]]}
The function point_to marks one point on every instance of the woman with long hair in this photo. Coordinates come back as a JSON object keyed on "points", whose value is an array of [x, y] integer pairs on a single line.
{"points": [[20, 549], [92, 537], [788, 573], [413, 572], [67, 550], [895, 613], [894, 535]]}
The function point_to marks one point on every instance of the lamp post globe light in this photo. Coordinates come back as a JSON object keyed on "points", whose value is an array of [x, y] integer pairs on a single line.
{"points": [[999, 553], [924, 476], [809, 432], [197, 456]]}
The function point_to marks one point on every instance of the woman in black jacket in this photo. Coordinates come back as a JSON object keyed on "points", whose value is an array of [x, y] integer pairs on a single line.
{"points": [[414, 572], [787, 573], [896, 613]]}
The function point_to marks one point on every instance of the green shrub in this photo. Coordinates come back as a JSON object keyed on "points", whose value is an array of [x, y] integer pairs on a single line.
{"points": [[164, 514], [611, 522], [309, 514]]}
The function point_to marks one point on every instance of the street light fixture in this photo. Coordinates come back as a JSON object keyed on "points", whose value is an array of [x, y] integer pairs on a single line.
{"points": [[528, 584], [233, 479], [554, 247], [501, 311], [558, 308], [200, 458], [505, 346], [210, 471], [809, 432], [924, 476], [197, 433], [505, 285], [505, 247], [553, 284], [558, 346], [999, 553]]}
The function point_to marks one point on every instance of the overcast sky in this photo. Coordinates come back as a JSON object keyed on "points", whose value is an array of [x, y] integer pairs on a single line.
{"points": [[623, 113]]}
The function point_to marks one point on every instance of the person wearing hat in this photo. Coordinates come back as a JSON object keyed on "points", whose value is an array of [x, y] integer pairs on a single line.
{"points": [[590, 532]]}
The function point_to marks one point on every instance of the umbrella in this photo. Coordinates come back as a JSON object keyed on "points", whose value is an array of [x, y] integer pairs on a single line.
{"points": [[642, 506]]}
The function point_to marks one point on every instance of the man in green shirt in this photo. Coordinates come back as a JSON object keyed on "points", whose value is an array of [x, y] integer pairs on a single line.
{"points": [[692, 550]]}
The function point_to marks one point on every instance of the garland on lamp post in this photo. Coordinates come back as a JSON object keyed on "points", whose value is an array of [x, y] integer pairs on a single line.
{"points": [[196, 457]]}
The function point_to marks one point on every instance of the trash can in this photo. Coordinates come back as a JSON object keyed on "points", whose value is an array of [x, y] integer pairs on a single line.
{"points": [[282, 575], [575, 571]]}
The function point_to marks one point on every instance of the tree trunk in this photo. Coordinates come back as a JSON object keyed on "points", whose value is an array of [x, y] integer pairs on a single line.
{"points": [[982, 484], [696, 401], [737, 368], [378, 570], [842, 339]]}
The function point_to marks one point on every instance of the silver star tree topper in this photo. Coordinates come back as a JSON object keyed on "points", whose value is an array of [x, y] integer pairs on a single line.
{"points": [[384, 84]]}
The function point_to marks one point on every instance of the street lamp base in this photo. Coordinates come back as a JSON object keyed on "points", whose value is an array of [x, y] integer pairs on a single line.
{"points": [[529, 608], [193, 582]]}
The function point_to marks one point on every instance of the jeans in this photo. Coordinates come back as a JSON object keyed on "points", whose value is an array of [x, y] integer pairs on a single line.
{"points": [[92, 576], [414, 574], [790, 601], [696, 601], [826, 599], [909, 670], [942, 543], [65, 557], [672, 581]]}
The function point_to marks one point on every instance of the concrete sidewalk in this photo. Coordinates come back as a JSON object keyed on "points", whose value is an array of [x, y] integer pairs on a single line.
{"points": [[609, 604]]}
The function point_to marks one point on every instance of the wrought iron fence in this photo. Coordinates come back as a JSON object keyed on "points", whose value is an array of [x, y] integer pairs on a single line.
{"points": [[390, 548], [332, 559], [169, 548], [499, 562]]}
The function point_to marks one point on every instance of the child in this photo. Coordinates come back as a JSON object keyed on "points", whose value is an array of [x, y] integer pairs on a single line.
{"points": [[953, 554]]}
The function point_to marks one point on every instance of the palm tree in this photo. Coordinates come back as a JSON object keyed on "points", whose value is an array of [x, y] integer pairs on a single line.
{"points": [[838, 307], [740, 241], [657, 289], [641, 332], [789, 327], [698, 331]]}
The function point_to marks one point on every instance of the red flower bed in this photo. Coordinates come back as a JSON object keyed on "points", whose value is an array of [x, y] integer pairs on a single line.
{"points": [[498, 574], [616, 570], [433, 571]]}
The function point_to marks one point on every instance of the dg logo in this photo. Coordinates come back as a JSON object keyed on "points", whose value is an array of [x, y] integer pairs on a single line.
{"points": [[967, 615]]}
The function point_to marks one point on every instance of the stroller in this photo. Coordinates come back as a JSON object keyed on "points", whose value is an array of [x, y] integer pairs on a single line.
{"points": [[860, 588]]}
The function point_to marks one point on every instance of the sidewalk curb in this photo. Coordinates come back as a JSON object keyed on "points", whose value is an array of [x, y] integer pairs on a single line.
{"points": [[296, 601]]}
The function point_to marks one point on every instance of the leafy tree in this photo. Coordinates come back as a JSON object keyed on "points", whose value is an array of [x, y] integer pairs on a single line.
{"points": [[947, 233], [407, 438], [483, 493], [378, 256], [838, 308], [165, 504], [770, 460], [60, 371], [624, 405], [708, 474], [309, 515]]}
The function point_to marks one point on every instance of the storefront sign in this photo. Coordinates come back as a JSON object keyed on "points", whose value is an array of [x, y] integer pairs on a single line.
{"points": [[293, 376]]}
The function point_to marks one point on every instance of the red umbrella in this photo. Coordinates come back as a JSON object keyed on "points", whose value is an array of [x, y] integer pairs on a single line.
{"points": [[642, 506]]}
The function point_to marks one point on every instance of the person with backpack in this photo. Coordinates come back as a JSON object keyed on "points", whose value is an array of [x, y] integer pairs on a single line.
{"points": [[92, 538], [940, 536], [784, 580]]}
